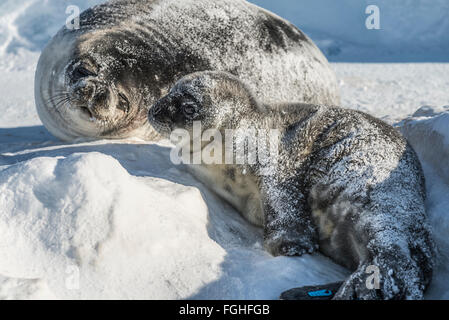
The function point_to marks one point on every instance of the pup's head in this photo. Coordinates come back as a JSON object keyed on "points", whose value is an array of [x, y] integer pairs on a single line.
{"points": [[218, 100]]}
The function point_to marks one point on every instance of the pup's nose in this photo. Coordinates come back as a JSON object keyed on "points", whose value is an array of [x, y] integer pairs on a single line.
{"points": [[156, 109]]}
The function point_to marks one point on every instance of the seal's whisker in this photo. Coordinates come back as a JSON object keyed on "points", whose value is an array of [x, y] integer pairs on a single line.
{"points": [[57, 101]]}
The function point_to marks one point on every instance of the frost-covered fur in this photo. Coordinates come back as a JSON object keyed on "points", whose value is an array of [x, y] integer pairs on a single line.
{"points": [[344, 182], [135, 50]]}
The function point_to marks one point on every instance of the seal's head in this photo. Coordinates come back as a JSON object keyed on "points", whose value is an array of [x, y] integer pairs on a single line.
{"points": [[218, 100], [92, 85]]}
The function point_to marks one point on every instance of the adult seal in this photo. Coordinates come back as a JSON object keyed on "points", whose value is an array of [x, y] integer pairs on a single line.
{"points": [[100, 80], [341, 181]]}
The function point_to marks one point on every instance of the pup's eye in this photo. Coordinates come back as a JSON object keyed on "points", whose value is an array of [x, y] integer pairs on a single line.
{"points": [[189, 109], [82, 72]]}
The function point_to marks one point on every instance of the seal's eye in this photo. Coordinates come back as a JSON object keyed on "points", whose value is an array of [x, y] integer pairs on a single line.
{"points": [[81, 72], [189, 109], [123, 103]]}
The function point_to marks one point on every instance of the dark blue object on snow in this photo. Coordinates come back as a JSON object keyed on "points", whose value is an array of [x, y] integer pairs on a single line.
{"points": [[320, 293]]}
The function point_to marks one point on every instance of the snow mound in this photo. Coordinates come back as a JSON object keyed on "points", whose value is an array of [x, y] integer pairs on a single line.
{"points": [[86, 211], [427, 130], [79, 225]]}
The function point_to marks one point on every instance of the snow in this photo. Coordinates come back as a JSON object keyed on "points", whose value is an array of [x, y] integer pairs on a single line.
{"points": [[393, 91], [430, 124], [86, 210], [31, 23], [115, 219]]}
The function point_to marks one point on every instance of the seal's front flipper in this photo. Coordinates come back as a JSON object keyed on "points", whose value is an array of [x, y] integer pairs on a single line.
{"points": [[320, 292]]}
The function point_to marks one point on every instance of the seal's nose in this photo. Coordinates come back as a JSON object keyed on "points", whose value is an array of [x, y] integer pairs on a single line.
{"points": [[85, 90]]}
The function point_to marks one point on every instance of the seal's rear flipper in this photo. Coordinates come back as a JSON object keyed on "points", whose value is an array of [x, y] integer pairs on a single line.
{"points": [[320, 292]]}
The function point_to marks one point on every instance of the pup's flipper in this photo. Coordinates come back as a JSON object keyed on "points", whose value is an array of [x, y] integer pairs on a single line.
{"points": [[320, 292]]}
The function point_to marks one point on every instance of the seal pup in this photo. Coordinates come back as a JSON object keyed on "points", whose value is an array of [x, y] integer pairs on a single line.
{"points": [[342, 182], [99, 81]]}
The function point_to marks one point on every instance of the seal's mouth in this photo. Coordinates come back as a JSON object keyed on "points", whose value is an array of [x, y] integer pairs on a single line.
{"points": [[100, 103], [87, 112], [162, 127]]}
